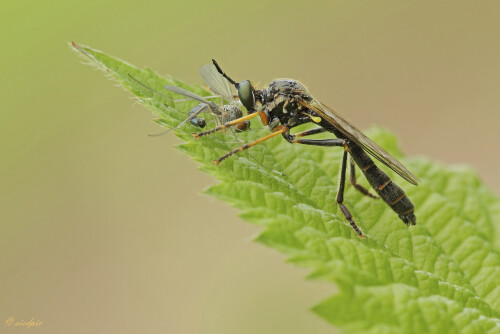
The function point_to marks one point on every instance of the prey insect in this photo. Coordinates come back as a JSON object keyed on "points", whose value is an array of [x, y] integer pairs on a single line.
{"points": [[286, 104], [219, 86], [223, 113]]}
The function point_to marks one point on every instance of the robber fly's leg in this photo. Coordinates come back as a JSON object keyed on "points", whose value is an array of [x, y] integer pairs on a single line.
{"points": [[340, 195], [340, 192], [226, 125], [309, 132], [318, 142], [352, 180], [278, 130], [352, 174]]}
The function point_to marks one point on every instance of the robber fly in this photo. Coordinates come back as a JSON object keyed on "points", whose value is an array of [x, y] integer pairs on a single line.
{"points": [[285, 104]]}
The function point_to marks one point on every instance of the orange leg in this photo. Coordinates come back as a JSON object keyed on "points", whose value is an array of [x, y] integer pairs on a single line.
{"points": [[225, 125], [277, 131]]}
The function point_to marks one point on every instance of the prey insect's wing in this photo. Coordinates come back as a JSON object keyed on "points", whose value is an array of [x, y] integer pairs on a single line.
{"points": [[177, 90], [217, 83], [358, 137], [181, 91]]}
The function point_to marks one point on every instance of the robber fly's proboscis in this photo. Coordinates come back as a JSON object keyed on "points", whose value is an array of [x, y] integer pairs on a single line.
{"points": [[286, 104]]}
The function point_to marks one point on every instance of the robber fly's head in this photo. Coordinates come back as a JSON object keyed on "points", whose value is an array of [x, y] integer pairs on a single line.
{"points": [[246, 92]]}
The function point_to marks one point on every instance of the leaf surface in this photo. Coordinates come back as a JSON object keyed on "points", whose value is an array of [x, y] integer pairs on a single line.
{"points": [[440, 276]]}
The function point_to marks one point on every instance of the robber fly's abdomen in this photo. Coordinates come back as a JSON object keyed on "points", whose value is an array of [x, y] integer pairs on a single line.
{"points": [[387, 189]]}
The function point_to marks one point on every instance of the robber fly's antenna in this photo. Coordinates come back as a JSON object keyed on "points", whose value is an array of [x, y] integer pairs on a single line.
{"points": [[236, 84]]}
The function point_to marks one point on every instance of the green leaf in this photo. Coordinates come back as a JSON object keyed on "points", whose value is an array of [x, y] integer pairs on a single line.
{"points": [[440, 276]]}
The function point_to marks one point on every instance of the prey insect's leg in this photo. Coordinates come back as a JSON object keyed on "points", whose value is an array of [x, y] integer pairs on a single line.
{"points": [[340, 195], [352, 180], [225, 125], [277, 131]]}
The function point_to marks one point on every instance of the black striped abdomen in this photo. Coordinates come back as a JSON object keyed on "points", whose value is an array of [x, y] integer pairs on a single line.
{"points": [[387, 189]]}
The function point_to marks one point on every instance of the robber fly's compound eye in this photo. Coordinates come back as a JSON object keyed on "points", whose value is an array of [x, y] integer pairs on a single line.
{"points": [[247, 97]]}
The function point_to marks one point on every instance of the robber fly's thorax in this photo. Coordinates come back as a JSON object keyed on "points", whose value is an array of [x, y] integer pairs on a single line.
{"points": [[281, 102], [286, 88]]}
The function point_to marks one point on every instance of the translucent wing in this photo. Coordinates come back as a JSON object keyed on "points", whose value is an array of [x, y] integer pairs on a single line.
{"points": [[217, 83], [354, 134], [181, 91]]}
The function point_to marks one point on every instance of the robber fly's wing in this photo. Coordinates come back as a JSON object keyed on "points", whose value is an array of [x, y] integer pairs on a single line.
{"points": [[217, 83], [181, 91], [351, 132]]}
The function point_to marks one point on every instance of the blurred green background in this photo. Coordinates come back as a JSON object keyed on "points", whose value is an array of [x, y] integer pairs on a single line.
{"points": [[103, 228]]}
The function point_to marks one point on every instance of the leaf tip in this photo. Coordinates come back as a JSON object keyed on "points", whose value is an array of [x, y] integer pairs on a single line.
{"points": [[75, 46]]}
